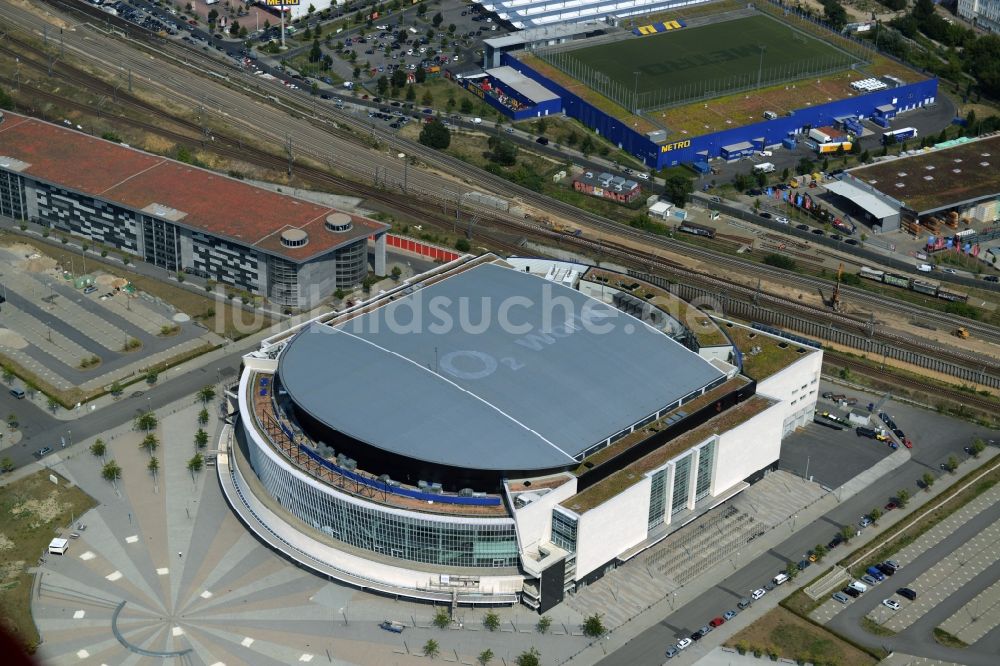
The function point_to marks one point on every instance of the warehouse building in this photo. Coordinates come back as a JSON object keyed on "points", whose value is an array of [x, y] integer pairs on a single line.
{"points": [[182, 218], [954, 182], [593, 416]]}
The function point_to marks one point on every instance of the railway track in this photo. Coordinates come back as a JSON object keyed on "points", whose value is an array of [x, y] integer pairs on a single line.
{"points": [[971, 399], [726, 264], [233, 148]]}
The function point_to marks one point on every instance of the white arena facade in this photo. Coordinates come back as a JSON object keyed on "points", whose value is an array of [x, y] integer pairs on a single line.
{"points": [[502, 431]]}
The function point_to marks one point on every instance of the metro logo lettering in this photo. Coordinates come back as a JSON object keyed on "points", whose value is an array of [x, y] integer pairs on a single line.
{"points": [[676, 145]]}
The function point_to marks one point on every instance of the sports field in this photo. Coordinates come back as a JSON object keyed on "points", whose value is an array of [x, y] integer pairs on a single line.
{"points": [[705, 61]]}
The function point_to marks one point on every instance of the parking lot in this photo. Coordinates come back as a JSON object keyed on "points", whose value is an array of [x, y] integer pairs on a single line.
{"points": [[76, 333]]}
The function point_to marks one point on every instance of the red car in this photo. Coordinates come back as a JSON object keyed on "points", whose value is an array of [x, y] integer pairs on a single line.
{"points": [[717, 622], [890, 506], [907, 443]]}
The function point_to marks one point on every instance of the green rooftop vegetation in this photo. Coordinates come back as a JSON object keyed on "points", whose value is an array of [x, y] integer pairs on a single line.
{"points": [[620, 481], [705, 330], [763, 355], [627, 442]]}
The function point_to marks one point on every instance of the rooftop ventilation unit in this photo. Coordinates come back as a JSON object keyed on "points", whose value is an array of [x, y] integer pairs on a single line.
{"points": [[294, 238], [338, 223]]}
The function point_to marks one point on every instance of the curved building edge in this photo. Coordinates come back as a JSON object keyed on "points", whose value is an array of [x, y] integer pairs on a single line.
{"points": [[315, 556]]}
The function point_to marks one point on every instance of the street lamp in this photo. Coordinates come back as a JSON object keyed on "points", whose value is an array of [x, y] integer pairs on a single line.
{"points": [[635, 94], [760, 66]]}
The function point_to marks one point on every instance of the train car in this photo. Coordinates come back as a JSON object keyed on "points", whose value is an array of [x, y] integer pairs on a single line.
{"points": [[897, 280], [952, 296], [924, 287], [696, 229], [871, 274]]}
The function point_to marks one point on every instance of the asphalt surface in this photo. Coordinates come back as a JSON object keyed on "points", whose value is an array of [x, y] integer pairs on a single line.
{"points": [[939, 438], [918, 639]]}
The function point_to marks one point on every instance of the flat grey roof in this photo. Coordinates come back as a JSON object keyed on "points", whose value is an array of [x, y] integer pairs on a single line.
{"points": [[545, 33], [865, 200], [530, 88], [539, 373]]}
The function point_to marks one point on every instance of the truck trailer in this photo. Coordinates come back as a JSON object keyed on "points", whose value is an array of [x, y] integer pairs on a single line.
{"points": [[763, 167]]}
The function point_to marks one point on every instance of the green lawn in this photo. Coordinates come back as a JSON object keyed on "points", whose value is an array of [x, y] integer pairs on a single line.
{"points": [[35, 510], [710, 59]]}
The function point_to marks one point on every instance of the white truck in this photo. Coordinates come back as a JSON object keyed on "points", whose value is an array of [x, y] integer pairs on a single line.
{"points": [[763, 167]]}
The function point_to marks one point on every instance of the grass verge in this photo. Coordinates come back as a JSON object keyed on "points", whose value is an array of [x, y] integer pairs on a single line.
{"points": [[781, 633], [940, 508], [873, 627], [35, 510], [948, 640]]}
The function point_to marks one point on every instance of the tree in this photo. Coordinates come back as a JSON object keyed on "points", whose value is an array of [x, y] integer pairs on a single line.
{"points": [[145, 421], [234, 29], [847, 531], [315, 53], [541, 126], [411, 94], [420, 74], [491, 621], [111, 472], [593, 626], [587, 145], [978, 446], [431, 647], [442, 620], [396, 272], [678, 188], [791, 570], [153, 466], [382, 84], [819, 551], [152, 376], [952, 464], [544, 622], [398, 78], [462, 245], [530, 657], [98, 448], [875, 514], [203, 416], [31, 387], [8, 374], [201, 438], [422, 9], [928, 481], [150, 443], [485, 657], [902, 496], [465, 106], [206, 394], [195, 464], [437, 20], [835, 14], [502, 151], [785, 173], [12, 420], [435, 135], [53, 404]]}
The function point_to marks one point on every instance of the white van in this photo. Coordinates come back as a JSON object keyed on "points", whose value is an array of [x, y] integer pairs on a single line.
{"points": [[925, 268], [477, 121], [413, 30], [859, 586], [780, 579]]}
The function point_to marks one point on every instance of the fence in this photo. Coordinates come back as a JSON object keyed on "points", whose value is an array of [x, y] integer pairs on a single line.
{"points": [[875, 348]]}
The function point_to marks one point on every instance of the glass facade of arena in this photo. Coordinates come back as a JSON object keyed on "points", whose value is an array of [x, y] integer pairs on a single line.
{"points": [[682, 484], [11, 195], [483, 543], [706, 461], [657, 497], [564, 530]]}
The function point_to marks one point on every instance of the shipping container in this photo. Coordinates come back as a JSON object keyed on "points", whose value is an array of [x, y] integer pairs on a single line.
{"points": [[871, 274], [924, 287]]}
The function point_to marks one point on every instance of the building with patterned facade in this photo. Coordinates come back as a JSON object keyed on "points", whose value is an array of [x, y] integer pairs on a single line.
{"points": [[984, 14], [182, 218], [495, 431]]}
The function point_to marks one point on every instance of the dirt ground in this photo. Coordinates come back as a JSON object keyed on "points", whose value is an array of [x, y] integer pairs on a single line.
{"points": [[794, 638]]}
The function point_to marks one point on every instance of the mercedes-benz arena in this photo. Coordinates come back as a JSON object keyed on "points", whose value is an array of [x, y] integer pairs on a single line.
{"points": [[501, 430]]}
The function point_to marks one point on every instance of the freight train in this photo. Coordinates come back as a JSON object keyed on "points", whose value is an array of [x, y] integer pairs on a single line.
{"points": [[913, 284]]}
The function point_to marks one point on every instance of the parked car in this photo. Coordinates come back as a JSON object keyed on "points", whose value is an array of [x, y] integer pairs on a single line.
{"points": [[730, 614], [891, 604], [672, 652], [757, 594], [743, 603], [803, 564], [717, 622], [890, 506], [696, 636], [683, 643], [851, 592], [875, 573], [45, 450], [893, 564], [864, 522], [884, 569], [841, 597], [907, 592], [868, 580]]}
